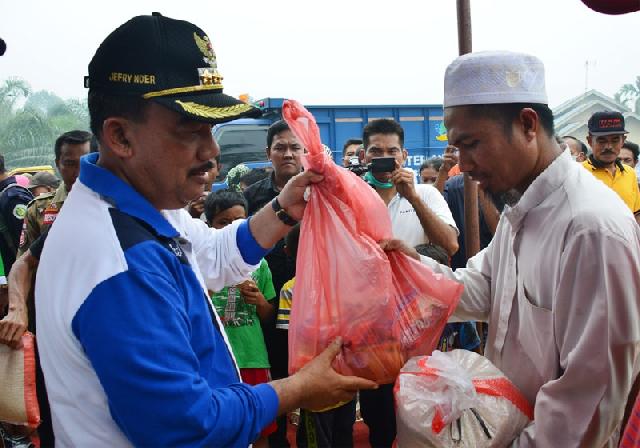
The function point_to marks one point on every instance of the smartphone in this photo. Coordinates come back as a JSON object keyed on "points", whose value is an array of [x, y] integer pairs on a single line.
{"points": [[383, 164]]}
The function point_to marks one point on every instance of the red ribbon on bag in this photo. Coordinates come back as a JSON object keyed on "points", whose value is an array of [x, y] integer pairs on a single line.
{"points": [[495, 387]]}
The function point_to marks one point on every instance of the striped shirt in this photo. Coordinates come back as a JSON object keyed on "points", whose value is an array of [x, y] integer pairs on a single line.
{"points": [[286, 299]]}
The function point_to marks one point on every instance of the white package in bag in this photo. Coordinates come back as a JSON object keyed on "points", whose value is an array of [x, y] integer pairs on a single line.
{"points": [[457, 399]]}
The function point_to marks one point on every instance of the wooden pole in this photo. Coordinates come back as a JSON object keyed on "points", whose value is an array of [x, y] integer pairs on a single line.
{"points": [[471, 217]]}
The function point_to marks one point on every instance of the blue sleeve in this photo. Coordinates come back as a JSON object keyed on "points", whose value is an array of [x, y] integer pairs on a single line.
{"points": [[136, 332], [249, 248]]}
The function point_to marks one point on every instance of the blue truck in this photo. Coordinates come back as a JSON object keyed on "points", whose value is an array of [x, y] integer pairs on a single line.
{"points": [[245, 140]]}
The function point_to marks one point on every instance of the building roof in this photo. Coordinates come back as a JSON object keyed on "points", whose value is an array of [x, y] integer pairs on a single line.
{"points": [[567, 115]]}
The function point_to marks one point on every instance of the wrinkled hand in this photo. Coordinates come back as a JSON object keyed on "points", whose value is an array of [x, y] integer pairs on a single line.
{"points": [[401, 246], [322, 386], [291, 198], [449, 158], [404, 180], [251, 294], [196, 207], [13, 326]]}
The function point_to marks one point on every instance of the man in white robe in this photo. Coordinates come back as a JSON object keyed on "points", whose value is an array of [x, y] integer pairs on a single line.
{"points": [[559, 284]]}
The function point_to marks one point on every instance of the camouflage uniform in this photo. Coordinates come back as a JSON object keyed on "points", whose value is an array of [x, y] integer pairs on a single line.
{"points": [[41, 213]]}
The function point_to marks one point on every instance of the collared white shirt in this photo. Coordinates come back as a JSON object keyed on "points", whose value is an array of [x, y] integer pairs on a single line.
{"points": [[559, 285], [404, 220]]}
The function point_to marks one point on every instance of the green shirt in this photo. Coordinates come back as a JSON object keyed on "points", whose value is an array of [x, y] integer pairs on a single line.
{"points": [[3, 278], [241, 321]]}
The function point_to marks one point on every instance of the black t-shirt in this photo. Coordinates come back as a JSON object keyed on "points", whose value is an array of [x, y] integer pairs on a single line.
{"points": [[282, 268], [454, 195], [260, 193], [13, 208], [38, 244]]}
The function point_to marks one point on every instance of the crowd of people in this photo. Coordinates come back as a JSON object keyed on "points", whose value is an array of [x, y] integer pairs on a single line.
{"points": [[162, 307]]}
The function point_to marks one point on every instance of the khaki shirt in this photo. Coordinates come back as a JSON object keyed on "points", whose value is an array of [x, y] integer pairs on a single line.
{"points": [[559, 285], [41, 213]]}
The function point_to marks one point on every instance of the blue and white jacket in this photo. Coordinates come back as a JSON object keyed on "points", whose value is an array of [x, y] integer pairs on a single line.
{"points": [[131, 350]]}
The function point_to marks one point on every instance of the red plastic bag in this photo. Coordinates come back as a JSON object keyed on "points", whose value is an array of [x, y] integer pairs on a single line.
{"points": [[386, 307]]}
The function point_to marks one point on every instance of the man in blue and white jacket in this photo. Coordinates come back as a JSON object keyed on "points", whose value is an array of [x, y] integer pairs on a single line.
{"points": [[131, 349]]}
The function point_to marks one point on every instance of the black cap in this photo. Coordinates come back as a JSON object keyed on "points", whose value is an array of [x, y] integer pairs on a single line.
{"points": [[606, 123], [168, 61]]}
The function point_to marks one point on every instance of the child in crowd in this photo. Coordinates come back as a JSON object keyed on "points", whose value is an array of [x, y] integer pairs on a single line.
{"points": [[242, 307], [455, 335], [332, 427]]}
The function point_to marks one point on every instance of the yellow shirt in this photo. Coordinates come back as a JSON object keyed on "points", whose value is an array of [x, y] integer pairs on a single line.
{"points": [[624, 183]]}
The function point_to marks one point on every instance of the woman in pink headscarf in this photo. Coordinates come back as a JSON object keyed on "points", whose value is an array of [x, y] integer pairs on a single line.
{"points": [[22, 180]]}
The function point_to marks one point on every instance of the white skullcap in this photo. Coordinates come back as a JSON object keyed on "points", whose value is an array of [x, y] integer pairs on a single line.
{"points": [[494, 77]]}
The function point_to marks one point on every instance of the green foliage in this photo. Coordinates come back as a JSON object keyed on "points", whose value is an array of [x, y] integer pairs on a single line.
{"points": [[31, 122], [629, 95], [43, 101]]}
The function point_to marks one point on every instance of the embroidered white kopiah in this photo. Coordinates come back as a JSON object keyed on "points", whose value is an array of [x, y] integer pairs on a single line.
{"points": [[494, 77]]}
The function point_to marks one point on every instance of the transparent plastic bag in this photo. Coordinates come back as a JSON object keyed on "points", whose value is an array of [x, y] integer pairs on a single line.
{"points": [[457, 399], [386, 307]]}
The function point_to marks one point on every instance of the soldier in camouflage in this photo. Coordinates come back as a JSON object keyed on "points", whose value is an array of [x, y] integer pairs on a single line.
{"points": [[42, 211]]}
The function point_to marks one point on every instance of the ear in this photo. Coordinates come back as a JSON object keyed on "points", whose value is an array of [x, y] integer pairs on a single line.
{"points": [[589, 140], [115, 135], [267, 151], [405, 154], [361, 155], [530, 123]]}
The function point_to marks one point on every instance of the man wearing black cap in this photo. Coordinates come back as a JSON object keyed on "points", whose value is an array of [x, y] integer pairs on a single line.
{"points": [[606, 137], [131, 349]]}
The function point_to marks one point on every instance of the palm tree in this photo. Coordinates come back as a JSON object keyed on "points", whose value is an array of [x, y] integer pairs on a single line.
{"points": [[629, 95], [11, 91], [28, 129]]}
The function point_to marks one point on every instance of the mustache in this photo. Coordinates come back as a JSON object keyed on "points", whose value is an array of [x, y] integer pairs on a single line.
{"points": [[202, 168]]}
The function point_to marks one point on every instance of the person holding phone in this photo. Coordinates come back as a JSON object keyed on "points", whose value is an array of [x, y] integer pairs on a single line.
{"points": [[419, 215]]}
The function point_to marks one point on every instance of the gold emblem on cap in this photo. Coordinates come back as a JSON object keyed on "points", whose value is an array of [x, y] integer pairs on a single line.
{"points": [[209, 77], [513, 78], [204, 44], [201, 110]]}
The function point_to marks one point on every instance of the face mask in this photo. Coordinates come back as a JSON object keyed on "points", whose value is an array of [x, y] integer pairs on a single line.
{"points": [[368, 177]]}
